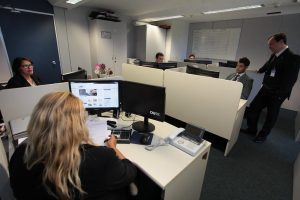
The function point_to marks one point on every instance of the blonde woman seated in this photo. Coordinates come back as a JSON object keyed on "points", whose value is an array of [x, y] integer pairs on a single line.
{"points": [[59, 161]]}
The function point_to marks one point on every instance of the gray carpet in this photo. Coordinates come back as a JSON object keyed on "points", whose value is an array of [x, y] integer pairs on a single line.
{"points": [[255, 171]]}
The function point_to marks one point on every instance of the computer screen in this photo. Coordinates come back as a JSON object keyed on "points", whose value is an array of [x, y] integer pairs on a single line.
{"points": [[167, 65], [145, 100], [198, 71], [231, 63], [80, 74], [96, 95], [147, 63]]}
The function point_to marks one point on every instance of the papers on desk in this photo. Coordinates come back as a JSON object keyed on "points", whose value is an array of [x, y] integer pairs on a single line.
{"points": [[19, 127], [98, 130]]}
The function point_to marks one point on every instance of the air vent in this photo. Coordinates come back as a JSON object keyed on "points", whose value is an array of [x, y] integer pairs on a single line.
{"points": [[274, 13]]}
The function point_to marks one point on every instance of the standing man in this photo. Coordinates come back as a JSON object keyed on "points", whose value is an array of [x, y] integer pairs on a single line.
{"points": [[159, 57], [242, 77], [281, 72]]}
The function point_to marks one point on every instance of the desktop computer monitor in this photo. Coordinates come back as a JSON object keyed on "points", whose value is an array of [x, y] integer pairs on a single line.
{"points": [[198, 71], [206, 62], [231, 63], [145, 100], [80, 74], [147, 63], [167, 65], [96, 95]]}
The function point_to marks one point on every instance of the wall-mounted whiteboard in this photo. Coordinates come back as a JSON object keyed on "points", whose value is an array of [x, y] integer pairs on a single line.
{"points": [[5, 72], [216, 43]]}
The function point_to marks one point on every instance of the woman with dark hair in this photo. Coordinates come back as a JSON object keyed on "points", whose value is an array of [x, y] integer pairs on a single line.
{"points": [[23, 74]]}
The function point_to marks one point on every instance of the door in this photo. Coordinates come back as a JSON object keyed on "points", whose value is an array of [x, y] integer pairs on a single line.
{"points": [[120, 46], [32, 35], [105, 34]]}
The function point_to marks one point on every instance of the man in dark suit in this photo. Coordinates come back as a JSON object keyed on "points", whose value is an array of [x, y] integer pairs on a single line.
{"points": [[281, 73], [242, 77]]}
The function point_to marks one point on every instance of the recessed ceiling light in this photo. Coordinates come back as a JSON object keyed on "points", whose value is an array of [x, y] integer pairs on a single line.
{"points": [[233, 9], [154, 19], [73, 1]]}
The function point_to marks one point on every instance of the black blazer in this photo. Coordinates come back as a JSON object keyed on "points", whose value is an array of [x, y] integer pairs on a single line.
{"points": [[286, 67], [18, 81], [103, 175]]}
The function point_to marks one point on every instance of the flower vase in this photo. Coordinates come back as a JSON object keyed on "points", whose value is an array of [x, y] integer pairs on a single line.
{"points": [[101, 75]]}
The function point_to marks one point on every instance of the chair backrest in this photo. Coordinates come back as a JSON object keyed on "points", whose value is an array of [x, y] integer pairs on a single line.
{"points": [[5, 190]]}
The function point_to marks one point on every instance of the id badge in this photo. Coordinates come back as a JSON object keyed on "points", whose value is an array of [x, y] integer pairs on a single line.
{"points": [[272, 73]]}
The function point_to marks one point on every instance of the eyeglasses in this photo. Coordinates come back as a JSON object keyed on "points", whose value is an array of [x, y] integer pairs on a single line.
{"points": [[27, 66]]}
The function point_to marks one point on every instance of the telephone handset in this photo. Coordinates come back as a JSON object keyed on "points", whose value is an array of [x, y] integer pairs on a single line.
{"points": [[182, 141]]}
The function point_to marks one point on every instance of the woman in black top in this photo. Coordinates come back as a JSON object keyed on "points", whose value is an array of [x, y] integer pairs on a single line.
{"points": [[59, 161], [23, 74]]}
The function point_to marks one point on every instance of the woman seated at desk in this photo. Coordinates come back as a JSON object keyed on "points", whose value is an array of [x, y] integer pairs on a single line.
{"points": [[59, 160], [23, 74]]}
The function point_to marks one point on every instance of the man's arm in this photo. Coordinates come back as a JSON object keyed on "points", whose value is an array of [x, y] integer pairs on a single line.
{"points": [[247, 87]]}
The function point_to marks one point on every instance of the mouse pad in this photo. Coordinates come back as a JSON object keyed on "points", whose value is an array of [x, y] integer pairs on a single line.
{"points": [[136, 137]]}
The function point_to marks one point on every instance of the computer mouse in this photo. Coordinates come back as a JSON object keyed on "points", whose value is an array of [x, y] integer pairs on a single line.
{"points": [[146, 139]]}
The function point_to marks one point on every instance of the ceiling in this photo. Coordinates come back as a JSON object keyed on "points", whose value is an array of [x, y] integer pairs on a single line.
{"points": [[191, 9]]}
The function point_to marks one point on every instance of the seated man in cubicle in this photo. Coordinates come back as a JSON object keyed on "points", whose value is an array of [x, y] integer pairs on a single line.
{"points": [[159, 57], [192, 56], [242, 77]]}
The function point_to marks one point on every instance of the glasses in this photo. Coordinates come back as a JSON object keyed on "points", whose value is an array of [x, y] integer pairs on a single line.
{"points": [[27, 66]]}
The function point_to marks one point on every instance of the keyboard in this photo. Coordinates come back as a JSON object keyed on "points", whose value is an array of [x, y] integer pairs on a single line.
{"points": [[122, 135]]}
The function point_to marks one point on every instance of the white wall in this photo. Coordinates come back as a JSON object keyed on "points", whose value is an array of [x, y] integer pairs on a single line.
{"points": [[5, 69], [155, 41], [168, 45], [253, 43], [140, 42], [73, 38], [179, 40], [72, 29]]}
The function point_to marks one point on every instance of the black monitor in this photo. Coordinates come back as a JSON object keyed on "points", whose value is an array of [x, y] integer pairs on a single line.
{"points": [[146, 63], [206, 62], [198, 71], [96, 95], [231, 63], [163, 66], [167, 65], [80, 74], [145, 100]]}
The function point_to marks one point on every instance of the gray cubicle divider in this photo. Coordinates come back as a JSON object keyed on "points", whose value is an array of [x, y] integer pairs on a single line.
{"points": [[19, 102], [146, 75], [203, 101], [210, 103]]}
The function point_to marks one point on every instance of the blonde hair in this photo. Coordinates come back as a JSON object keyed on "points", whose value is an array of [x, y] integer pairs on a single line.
{"points": [[55, 132]]}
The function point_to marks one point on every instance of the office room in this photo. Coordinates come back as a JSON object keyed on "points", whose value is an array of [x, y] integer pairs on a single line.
{"points": [[89, 46]]}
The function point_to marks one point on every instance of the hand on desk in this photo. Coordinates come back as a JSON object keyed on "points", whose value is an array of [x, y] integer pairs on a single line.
{"points": [[112, 143]]}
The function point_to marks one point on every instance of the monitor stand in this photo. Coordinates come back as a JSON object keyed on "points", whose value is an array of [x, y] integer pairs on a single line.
{"points": [[143, 126]]}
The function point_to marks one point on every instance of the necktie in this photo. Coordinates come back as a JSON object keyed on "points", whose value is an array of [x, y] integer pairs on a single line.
{"points": [[236, 77]]}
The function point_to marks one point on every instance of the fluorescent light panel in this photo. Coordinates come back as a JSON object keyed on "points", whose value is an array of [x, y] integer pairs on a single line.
{"points": [[154, 19], [233, 9], [73, 1]]}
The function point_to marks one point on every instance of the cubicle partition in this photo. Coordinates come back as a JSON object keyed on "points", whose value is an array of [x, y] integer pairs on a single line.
{"points": [[210, 103], [18, 102], [146, 75], [203, 101]]}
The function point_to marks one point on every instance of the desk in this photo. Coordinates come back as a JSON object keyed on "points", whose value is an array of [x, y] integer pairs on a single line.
{"points": [[178, 174]]}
